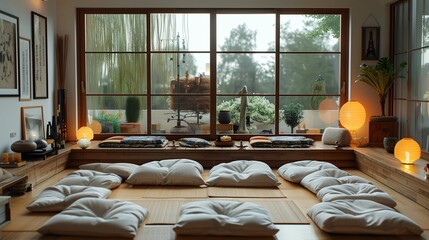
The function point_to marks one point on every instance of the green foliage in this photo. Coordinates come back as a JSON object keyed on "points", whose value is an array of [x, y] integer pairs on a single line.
{"points": [[132, 109], [114, 119], [259, 109], [326, 24], [293, 114], [380, 77]]}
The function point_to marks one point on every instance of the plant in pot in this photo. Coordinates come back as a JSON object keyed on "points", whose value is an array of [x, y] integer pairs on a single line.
{"points": [[380, 77], [132, 115], [293, 114], [382, 129], [259, 109]]}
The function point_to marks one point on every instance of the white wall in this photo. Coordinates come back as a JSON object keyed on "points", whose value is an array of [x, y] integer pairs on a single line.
{"points": [[66, 24], [10, 113]]}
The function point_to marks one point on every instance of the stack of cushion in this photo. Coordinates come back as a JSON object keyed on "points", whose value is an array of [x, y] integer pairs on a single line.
{"points": [[134, 142], [281, 142], [351, 204]]}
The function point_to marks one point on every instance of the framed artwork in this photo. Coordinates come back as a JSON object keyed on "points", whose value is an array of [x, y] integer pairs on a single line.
{"points": [[24, 70], [370, 43], [9, 52], [32, 123], [40, 55]]}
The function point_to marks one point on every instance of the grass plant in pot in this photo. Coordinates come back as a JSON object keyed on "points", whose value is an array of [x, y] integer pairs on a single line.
{"points": [[381, 78], [132, 115]]}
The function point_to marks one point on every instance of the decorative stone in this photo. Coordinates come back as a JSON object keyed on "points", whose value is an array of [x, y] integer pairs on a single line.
{"points": [[23, 146], [41, 143]]}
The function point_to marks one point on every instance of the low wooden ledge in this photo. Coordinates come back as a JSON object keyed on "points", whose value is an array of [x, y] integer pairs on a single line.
{"points": [[409, 180], [211, 156]]}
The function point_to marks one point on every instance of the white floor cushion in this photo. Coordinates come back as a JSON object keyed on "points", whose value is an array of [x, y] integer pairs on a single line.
{"points": [[168, 172], [91, 178], [242, 173], [361, 217], [224, 218], [356, 191], [97, 218], [121, 169], [57, 198], [329, 177], [296, 171]]}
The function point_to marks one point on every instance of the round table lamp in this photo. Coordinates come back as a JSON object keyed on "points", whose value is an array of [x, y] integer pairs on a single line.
{"points": [[84, 136], [352, 115], [407, 150]]}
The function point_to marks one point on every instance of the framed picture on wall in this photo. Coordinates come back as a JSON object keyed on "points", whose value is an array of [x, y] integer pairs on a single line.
{"points": [[40, 55], [32, 123], [9, 60], [24, 69], [370, 43]]}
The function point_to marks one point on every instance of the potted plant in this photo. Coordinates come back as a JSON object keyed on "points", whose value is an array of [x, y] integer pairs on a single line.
{"points": [[132, 115], [292, 114], [380, 77], [110, 123], [259, 109]]}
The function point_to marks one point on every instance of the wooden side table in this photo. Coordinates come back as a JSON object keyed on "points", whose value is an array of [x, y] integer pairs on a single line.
{"points": [[380, 128]]}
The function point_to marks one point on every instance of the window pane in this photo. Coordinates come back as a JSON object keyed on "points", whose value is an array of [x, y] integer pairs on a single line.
{"points": [[110, 112], [420, 24], [116, 73], [315, 120], [309, 73], [194, 114], [164, 69], [245, 32], [115, 32], [256, 71], [180, 32], [260, 112], [401, 83], [419, 74], [310, 33]]}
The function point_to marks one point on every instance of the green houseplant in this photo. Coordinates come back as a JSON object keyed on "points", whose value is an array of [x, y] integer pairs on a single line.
{"points": [[292, 114], [259, 109], [132, 109], [380, 77]]}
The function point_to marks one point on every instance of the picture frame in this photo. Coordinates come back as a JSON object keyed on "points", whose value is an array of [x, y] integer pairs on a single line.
{"points": [[32, 122], [9, 70], [370, 43], [24, 69], [40, 55]]}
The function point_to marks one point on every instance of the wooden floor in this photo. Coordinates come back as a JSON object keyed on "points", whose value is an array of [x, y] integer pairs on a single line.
{"points": [[24, 224]]}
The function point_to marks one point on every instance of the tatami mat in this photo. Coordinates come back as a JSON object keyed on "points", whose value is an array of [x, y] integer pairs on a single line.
{"points": [[236, 192], [163, 211]]}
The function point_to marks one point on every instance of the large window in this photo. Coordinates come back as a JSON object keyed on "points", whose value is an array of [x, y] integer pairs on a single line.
{"points": [[410, 21], [146, 71]]}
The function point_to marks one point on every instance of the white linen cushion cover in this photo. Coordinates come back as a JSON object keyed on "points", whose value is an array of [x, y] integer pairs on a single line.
{"points": [[361, 217], [242, 173], [97, 218], [122, 169], [224, 218], [329, 177], [296, 171], [334, 135], [168, 172], [4, 174], [91, 178], [356, 191], [57, 198]]}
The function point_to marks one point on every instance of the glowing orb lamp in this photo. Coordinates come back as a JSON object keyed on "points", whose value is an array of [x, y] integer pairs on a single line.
{"points": [[84, 136], [352, 115], [407, 150]]}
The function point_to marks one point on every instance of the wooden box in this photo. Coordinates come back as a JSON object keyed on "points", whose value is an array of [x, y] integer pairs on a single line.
{"points": [[380, 128]]}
